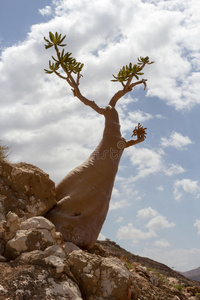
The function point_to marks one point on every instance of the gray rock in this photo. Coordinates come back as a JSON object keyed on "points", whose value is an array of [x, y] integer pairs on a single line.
{"points": [[70, 247], [35, 282], [36, 233], [25, 190], [100, 278]]}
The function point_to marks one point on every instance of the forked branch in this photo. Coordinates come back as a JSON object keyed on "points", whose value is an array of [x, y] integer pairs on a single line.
{"points": [[70, 66], [126, 75], [126, 89]]}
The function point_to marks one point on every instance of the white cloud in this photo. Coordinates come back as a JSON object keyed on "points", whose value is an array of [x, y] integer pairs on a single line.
{"points": [[176, 140], [159, 222], [146, 213], [197, 224], [125, 194], [174, 169], [98, 34], [162, 243], [147, 161], [46, 11], [156, 223], [186, 186], [119, 204], [135, 235], [101, 237], [139, 116], [115, 193], [119, 220], [160, 188], [151, 162], [176, 89]]}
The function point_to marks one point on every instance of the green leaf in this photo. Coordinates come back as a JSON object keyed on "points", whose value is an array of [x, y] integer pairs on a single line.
{"points": [[63, 45], [48, 72], [62, 54], [46, 40], [52, 37], [48, 46], [62, 39], [54, 59], [57, 65], [56, 36]]}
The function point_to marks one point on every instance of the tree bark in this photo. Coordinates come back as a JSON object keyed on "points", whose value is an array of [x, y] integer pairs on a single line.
{"points": [[84, 194]]}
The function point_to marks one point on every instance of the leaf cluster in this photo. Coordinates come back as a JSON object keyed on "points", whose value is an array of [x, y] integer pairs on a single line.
{"points": [[65, 60], [139, 131], [130, 71], [54, 40]]}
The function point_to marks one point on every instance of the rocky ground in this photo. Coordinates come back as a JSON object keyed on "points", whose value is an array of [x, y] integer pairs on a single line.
{"points": [[36, 263], [66, 272]]}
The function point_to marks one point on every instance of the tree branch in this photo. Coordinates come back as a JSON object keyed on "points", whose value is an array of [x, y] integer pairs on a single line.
{"points": [[74, 84], [88, 102], [139, 82], [127, 89], [133, 142]]}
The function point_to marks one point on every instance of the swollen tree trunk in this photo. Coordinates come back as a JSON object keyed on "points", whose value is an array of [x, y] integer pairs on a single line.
{"points": [[84, 194]]}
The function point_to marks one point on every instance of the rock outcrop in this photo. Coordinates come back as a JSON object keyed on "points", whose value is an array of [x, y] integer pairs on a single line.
{"points": [[36, 233], [42, 266], [25, 190], [36, 263]]}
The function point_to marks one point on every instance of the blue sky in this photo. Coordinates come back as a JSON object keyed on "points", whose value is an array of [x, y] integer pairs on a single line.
{"points": [[155, 206]]}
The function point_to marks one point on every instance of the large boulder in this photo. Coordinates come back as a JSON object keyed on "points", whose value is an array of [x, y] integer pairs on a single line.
{"points": [[25, 190]]}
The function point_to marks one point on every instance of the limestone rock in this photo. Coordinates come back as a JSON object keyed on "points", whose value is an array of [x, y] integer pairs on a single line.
{"points": [[11, 225], [99, 278], [25, 190], [19, 281], [36, 233], [51, 274]]}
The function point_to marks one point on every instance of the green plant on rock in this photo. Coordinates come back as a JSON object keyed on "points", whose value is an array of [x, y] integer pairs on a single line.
{"points": [[197, 295], [179, 287]]}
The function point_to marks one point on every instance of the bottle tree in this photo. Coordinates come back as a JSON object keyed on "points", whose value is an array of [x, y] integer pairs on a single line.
{"points": [[83, 195]]}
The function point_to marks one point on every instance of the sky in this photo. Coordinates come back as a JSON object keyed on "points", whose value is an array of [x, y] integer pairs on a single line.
{"points": [[155, 205]]}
